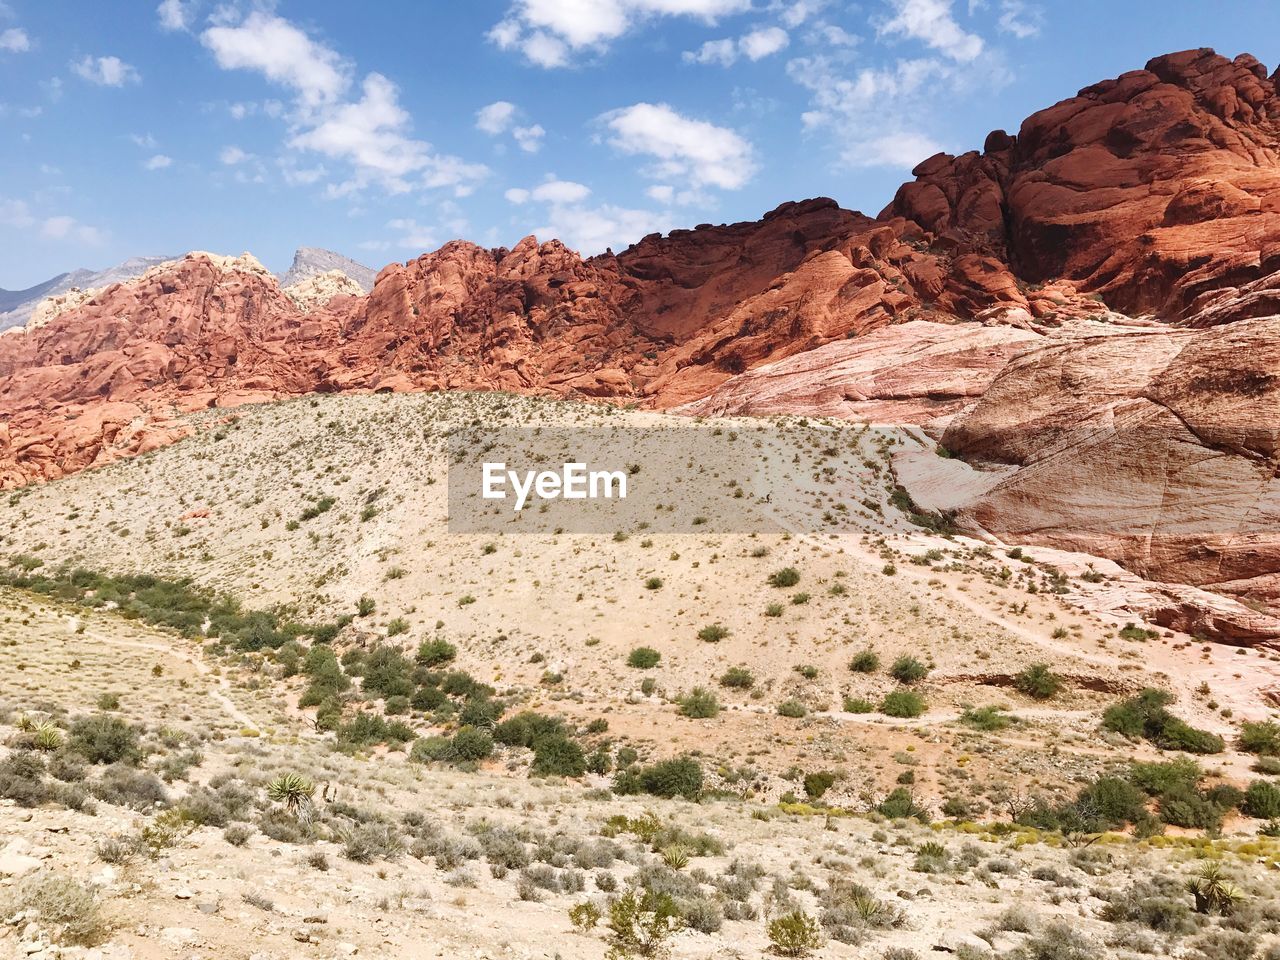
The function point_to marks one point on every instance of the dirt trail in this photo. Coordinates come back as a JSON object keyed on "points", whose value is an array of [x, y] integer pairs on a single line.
{"points": [[218, 693]]}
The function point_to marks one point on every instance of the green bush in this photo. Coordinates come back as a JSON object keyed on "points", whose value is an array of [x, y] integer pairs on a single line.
{"points": [[470, 744], [435, 652], [678, 777], [988, 719], [907, 669], [713, 633], [1145, 717], [793, 709], [558, 756], [527, 728], [903, 703], [699, 704], [1038, 682], [901, 804], [1262, 738], [101, 738], [858, 705], [738, 678], [387, 673], [867, 661], [786, 577], [816, 784], [1262, 800], [643, 658], [795, 934]]}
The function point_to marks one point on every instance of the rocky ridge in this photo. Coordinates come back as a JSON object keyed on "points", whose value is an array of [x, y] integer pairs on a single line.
{"points": [[1085, 306]]}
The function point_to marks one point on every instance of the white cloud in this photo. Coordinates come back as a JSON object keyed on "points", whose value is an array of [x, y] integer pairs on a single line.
{"points": [[794, 14], [683, 148], [175, 14], [723, 52], [413, 235], [495, 118], [283, 53], [902, 150], [15, 213], [662, 192], [144, 140], [931, 22], [105, 71], [529, 139], [560, 191], [158, 162], [547, 32], [517, 195], [763, 42], [232, 155], [371, 134], [69, 228], [590, 230], [15, 40], [756, 45], [499, 117], [1019, 19]]}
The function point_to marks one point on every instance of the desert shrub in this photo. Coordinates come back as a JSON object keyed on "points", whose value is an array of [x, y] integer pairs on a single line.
{"points": [[643, 658], [713, 633], [480, 712], [1262, 800], [434, 653], [737, 678], [1262, 738], [901, 804], [102, 738], [795, 934], [640, 924], [678, 777], [22, 779], [526, 728], [902, 703], [431, 749], [1060, 941], [786, 577], [702, 914], [1145, 717], [557, 756], [387, 673], [1038, 682], [471, 744], [1158, 778], [699, 704], [866, 661], [1158, 904], [127, 786], [989, 719], [907, 669], [65, 907], [858, 705], [237, 834], [367, 728], [367, 842], [1194, 809], [792, 708], [1113, 800], [817, 784]]}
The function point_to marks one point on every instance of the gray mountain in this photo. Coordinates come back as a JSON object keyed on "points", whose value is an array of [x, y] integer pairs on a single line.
{"points": [[16, 305], [309, 261]]}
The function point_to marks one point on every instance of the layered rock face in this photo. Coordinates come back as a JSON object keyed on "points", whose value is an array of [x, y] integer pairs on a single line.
{"points": [[1085, 310]]}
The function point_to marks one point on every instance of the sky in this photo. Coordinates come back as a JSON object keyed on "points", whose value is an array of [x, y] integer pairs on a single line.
{"points": [[382, 130]]}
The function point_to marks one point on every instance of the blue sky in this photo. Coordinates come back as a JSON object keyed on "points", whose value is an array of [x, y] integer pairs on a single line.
{"points": [[384, 129]]}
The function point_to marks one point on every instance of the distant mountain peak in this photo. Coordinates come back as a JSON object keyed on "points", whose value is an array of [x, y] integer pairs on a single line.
{"points": [[16, 306], [314, 261]]}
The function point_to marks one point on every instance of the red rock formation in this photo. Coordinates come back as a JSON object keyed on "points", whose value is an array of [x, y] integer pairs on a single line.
{"points": [[1155, 193]]}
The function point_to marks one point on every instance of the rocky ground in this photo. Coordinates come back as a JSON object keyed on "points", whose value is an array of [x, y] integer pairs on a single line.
{"points": [[148, 812]]}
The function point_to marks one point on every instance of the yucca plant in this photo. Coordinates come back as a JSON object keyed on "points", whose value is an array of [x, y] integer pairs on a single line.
{"points": [[47, 737], [1213, 892], [26, 724], [293, 791], [677, 858]]}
